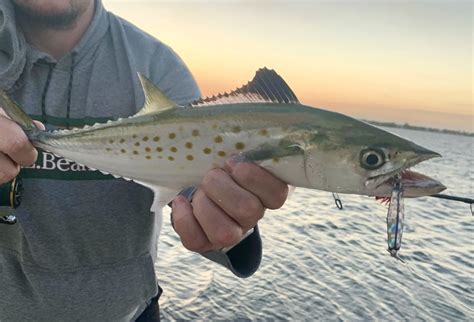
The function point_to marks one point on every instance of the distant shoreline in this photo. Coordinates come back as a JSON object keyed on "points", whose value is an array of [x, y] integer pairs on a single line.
{"points": [[419, 128]]}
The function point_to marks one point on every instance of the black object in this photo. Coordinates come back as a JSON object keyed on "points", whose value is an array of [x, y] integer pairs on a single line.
{"points": [[10, 193], [10, 198], [455, 198], [152, 312]]}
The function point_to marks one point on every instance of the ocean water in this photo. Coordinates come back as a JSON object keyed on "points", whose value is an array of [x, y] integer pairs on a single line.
{"points": [[328, 264]]}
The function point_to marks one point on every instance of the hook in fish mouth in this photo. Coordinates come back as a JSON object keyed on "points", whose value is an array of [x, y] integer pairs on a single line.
{"points": [[415, 184], [376, 181]]}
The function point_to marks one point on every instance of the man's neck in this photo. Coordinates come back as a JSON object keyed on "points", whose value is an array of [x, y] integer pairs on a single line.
{"points": [[57, 42]]}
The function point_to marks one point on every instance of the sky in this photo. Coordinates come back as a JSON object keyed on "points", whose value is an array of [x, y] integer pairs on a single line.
{"points": [[395, 61]]}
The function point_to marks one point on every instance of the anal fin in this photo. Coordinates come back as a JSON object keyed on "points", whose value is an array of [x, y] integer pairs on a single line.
{"points": [[162, 195]]}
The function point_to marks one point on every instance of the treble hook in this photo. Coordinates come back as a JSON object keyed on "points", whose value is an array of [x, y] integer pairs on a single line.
{"points": [[337, 200], [394, 254]]}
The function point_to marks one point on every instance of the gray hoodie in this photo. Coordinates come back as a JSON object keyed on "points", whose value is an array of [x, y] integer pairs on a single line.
{"points": [[85, 243]]}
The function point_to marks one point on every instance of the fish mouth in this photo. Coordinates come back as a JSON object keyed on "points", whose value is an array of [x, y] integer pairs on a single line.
{"points": [[414, 184]]}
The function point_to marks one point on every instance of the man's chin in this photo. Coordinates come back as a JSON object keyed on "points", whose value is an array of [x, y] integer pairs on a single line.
{"points": [[52, 14]]}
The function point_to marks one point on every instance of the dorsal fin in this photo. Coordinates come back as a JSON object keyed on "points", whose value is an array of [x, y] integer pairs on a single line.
{"points": [[155, 100], [266, 87]]}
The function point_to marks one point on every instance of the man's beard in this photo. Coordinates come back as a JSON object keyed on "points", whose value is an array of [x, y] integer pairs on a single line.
{"points": [[63, 20]]}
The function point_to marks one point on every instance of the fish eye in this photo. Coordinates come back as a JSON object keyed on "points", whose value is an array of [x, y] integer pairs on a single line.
{"points": [[372, 159]]}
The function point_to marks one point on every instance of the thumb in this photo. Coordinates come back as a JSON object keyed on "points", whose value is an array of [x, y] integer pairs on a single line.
{"points": [[40, 125]]}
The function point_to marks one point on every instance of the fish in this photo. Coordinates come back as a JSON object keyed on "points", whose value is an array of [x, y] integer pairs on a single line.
{"points": [[167, 147]]}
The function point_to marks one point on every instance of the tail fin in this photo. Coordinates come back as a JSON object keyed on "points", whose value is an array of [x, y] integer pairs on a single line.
{"points": [[16, 113]]}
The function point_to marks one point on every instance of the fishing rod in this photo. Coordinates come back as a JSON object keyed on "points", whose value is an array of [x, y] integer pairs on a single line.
{"points": [[469, 201], [455, 198]]}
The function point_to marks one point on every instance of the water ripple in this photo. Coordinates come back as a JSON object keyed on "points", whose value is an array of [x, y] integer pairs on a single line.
{"points": [[321, 263]]}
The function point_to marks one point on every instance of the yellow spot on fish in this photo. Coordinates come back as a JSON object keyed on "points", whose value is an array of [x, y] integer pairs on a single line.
{"points": [[189, 145], [137, 144], [111, 141], [159, 149], [207, 150], [276, 159], [147, 149], [263, 132], [221, 153], [134, 136], [135, 152], [218, 139], [172, 135], [148, 157], [214, 126], [195, 132], [236, 129], [122, 140], [239, 146], [156, 138], [171, 158], [146, 138], [108, 149], [173, 149], [123, 151], [189, 158]]}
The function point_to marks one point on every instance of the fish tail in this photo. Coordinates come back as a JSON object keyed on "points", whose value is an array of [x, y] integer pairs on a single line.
{"points": [[16, 114]]}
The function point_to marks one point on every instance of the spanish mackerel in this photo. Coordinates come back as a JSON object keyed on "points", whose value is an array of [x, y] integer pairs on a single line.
{"points": [[167, 147]]}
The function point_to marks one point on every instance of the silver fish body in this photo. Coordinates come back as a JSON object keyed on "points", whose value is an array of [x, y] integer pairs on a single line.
{"points": [[174, 147]]}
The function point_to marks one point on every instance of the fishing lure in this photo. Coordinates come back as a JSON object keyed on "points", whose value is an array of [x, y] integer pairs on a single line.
{"points": [[395, 217]]}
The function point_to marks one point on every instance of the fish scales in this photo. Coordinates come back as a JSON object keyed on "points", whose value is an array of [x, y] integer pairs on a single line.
{"points": [[174, 147], [167, 147]]}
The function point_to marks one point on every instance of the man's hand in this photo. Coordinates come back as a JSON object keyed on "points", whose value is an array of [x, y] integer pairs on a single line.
{"points": [[227, 204], [15, 149]]}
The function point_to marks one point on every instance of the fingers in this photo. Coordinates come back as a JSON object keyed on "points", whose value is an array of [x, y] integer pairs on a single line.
{"points": [[221, 230], [268, 188], [226, 204], [244, 207], [8, 169], [15, 144], [40, 125], [187, 226]]}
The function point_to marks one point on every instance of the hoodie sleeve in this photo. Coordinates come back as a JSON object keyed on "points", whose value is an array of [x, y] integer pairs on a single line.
{"points": [[12, 47], [174, 78], [244, 258]]}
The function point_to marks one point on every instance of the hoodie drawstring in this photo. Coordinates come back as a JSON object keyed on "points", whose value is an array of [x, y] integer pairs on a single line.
{"points": [[69, 91], [45, 91]]}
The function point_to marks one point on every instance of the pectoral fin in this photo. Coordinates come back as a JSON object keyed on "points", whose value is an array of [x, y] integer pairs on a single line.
{"points": [[268, 152]]}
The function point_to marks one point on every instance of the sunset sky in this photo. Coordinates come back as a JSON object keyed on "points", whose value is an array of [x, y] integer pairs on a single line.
{"points": [[397, 61]]}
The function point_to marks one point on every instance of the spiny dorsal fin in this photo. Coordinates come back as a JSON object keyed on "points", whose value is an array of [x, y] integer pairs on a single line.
{"points": [[155, 100], [266, 87]]}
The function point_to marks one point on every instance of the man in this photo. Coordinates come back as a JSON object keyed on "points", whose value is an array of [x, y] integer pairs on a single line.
{"points": [[85, 243]]}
